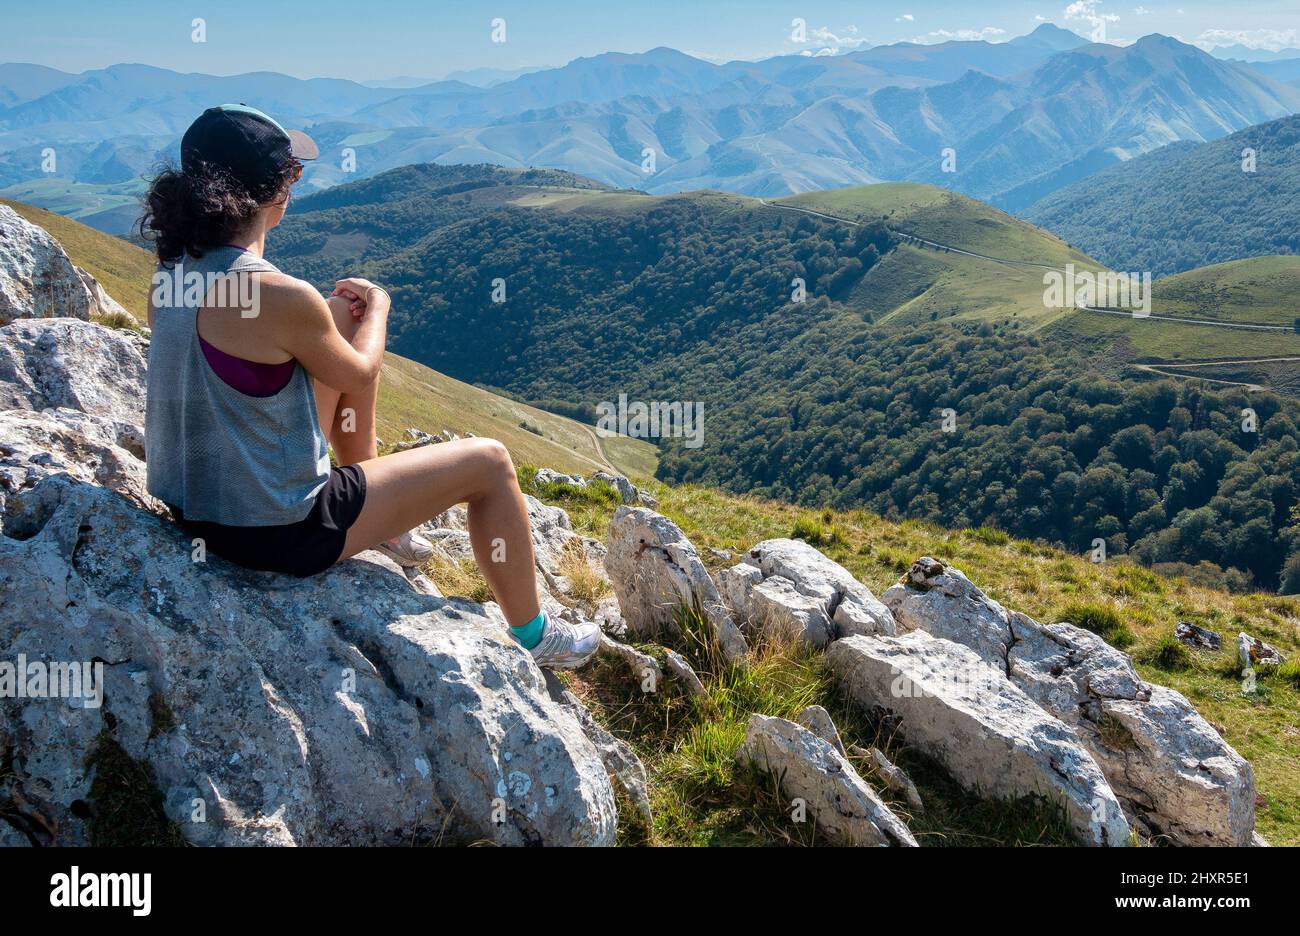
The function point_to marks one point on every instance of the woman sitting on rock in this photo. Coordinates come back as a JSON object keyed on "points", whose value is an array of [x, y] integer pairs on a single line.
{"points": [[252, 375]]}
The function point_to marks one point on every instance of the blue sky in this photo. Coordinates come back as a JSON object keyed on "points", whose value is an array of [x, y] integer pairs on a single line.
{"points": [[373, 39]]}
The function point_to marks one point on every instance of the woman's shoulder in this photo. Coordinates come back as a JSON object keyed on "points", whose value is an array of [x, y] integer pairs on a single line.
{"points": [[289, 296]]}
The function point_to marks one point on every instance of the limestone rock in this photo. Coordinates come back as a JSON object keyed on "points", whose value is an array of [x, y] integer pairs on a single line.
{"points": [[37, 280], [774, 606], [627, 491], [895, 778], [655, 570], [101, 303], [1165, 762], [341, 709], [685, 674], [1255, 654], [550, 476], [845, 602], [78, 365], [989, 735], [846, 809], [817, 720]]}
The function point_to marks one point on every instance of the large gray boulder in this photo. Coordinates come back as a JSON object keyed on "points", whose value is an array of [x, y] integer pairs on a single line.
{"points": [[64, 362], [1168, 766], [655, 571], [797, 585], [71, 402], [37, 280], [990, 736], [344, 709], [774, 606], [808, 767], [353, 707]]}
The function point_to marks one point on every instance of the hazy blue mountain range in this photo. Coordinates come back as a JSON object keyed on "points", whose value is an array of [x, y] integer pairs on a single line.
{"points": [[1186, 205], [1024, 118], [1246, 54]]}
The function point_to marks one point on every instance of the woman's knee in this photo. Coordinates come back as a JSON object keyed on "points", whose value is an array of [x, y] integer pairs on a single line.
{"points": [[344, 321], [494, 461]]}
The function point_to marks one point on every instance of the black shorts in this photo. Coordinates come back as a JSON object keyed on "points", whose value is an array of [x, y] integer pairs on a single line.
{"points": [[311, 545]]}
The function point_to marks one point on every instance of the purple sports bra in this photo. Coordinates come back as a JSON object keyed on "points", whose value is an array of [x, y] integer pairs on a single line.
{"points": [[248, 377], [251, 378]]}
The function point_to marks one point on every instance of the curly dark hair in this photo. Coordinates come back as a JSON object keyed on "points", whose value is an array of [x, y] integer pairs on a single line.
{"points": [[191, 211]]}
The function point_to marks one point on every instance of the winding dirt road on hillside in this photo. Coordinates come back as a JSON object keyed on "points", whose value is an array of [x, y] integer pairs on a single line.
{"points": [[1151, 368], [912, 238]]}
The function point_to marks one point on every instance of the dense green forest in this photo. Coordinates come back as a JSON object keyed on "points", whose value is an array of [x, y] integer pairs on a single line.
{"points": [[1187, 204], [689, 299], [332, 233]]}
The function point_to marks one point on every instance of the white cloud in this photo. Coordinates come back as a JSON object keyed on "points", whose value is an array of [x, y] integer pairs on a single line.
{"points": [[827, 42], [1087, 10], [905, 18], [1273, 40], [1141, 11], [962, 35]]}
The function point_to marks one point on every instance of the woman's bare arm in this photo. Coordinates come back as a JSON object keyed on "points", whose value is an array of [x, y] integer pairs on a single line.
{"points": [[304, 328]]}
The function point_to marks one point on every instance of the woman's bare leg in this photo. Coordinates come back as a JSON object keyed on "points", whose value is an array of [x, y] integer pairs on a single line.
{"points": [[405, 489], [348, 419]]}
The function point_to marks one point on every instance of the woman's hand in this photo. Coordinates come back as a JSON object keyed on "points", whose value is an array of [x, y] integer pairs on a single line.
{"points": [[360, 292]]}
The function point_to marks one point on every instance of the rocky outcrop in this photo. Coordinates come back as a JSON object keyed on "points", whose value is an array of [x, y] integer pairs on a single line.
{"points": [[989, 735], [101, 303], [817, 720], [809, 768], [341, 709], [353, 707], [656, 571], [788, 586], [1169, 767], [37, 280], [71, 401]]}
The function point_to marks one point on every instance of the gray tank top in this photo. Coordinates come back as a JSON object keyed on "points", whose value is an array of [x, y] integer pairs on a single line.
{"points": [[212, 452]]}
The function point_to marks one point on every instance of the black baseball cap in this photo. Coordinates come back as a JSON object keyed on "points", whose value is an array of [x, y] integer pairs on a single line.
{"points": [[247, 143]]}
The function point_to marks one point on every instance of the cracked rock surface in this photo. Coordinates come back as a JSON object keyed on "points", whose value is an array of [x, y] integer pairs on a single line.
{"points": [[846, 809], [350, 708], [789, 586], [990, 736], [655, 571], [1168, 766]]}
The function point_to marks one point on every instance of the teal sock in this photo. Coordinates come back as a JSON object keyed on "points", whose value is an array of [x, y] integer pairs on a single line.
{"points": [[530, 635]]}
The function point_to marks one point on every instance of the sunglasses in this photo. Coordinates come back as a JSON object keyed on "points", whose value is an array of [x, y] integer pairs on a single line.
{"points": [[295, 172]]}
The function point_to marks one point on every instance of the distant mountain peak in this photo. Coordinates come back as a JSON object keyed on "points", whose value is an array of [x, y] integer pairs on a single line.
{"points": [[1051, 36]]}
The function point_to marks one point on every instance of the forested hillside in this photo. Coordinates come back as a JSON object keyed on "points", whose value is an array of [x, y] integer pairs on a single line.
{"points": [[1186, 205], [840, 399]]}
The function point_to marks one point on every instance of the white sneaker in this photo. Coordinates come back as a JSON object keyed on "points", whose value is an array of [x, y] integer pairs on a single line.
{"points": [[566, 646], [409, 550]]}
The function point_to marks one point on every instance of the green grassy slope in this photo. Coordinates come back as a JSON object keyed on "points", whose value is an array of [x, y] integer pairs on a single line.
{"points": [[412, 395], [1260, 289], [699, 797], [920, 283], [122, 269]]}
